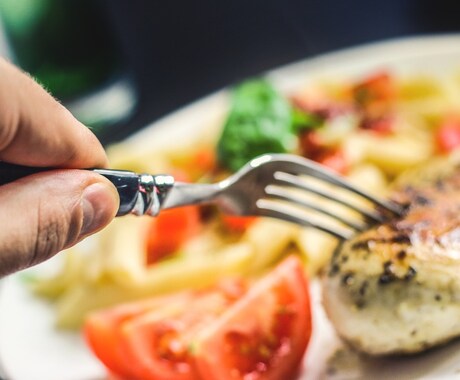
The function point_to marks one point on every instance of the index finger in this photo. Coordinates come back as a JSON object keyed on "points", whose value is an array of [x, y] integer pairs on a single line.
{"points": [[36, 130]]}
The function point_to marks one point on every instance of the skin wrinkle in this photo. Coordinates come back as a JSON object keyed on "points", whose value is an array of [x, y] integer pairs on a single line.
{"points": [[75, 226], [51, 232], [54, 217]]}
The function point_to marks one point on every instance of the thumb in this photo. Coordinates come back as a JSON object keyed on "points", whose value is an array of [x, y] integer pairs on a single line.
{"points": [[42, 214]]}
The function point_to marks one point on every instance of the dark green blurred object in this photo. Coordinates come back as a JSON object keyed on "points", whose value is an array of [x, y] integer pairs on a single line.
{"points": [[259, 122], [70, 48]]}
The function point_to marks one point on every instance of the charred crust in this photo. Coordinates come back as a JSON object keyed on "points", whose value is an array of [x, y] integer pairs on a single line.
{"points": [[363, 288], [388, 275], [348, 279], [401, 255], [410, 274], [440, 185], [385, 279], [401, 238], [422, 200], [335, 268], [361, 244]]}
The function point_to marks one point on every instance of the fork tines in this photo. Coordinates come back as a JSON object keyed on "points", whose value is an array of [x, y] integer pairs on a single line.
{"points": [[309, 194]]}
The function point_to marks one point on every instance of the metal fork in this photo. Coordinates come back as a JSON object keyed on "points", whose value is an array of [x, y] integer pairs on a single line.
{"points": [[271, 185]]}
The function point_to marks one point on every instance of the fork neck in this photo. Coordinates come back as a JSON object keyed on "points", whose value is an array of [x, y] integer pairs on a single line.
{"points": [[182, 194]]}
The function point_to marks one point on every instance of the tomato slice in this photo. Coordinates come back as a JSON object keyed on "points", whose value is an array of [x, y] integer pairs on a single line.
{"points": [[227, 332], [313, 148], [238, 223], [264, 335], [159, 343], [335, 160], [102, 332], [448, 135], [311, 145], [379, 87], [382, 126], [170, 230]]}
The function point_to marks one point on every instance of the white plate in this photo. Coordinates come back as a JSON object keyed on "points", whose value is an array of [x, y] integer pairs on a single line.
{"points": [[30, 349]]}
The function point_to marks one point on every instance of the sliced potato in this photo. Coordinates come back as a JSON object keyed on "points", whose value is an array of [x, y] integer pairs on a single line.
{"points": [[317, 247], [268, 239], [392, 154], [370, 178]]}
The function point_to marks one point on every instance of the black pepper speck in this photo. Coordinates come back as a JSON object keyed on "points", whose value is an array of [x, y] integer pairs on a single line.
{"points": [[411, 272], [348, 279]]}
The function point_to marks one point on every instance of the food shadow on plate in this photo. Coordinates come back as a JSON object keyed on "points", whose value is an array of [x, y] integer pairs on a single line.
{"points": [[347, 364]]}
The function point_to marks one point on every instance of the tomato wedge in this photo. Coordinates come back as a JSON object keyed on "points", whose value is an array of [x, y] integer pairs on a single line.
{"points": [[264, 335], [170, 230], [379, 87], [231, 331], [235, 223], [335, 160], [102, 331], [448, 135], [160, 341]]}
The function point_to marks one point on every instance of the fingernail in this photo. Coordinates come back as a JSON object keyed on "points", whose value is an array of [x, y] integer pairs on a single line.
{"points": [[98, 205]]}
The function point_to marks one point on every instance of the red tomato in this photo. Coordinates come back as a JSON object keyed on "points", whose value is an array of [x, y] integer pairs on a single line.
{"points": [[205, 160], [379, 87], [448, 135], [313, 148], [102, 332], [159, 343], [227, 332], [382, 125], [262, 336], [311, 145], [238, 223], [170, 230], [335, 160]]}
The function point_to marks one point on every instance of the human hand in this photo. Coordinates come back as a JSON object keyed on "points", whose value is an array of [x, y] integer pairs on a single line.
{"points": [[44, 213]]}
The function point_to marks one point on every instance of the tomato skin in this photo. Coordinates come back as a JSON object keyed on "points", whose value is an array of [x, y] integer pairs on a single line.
{"points": [[379, 87], [199, 335], [382, 126], [235, 223], [170, 230], [313, 148], [335, 160], [311, 145], [158, 342], [205, 160], [102, 332], [240, 345], [142, 339], [448, 135]]}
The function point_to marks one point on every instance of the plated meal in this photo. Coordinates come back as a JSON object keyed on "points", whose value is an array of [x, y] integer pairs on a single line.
{"points": [[197, 294]]}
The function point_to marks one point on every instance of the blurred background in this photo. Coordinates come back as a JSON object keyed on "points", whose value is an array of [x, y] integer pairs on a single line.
{"points": [[121, 65]]}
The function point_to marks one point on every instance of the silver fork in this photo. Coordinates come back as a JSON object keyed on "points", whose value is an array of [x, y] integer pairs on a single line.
{"points": [[271, 185]]}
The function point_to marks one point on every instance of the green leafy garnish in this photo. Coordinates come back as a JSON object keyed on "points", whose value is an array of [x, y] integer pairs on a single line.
{"points": [[259, 122], [302, 121]]}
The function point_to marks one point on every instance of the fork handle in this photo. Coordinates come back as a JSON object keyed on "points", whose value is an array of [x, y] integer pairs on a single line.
{"points": [[128, 184]]}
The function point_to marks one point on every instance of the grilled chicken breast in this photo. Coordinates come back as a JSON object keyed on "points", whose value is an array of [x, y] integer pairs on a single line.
{"points": [[395, 288]]}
